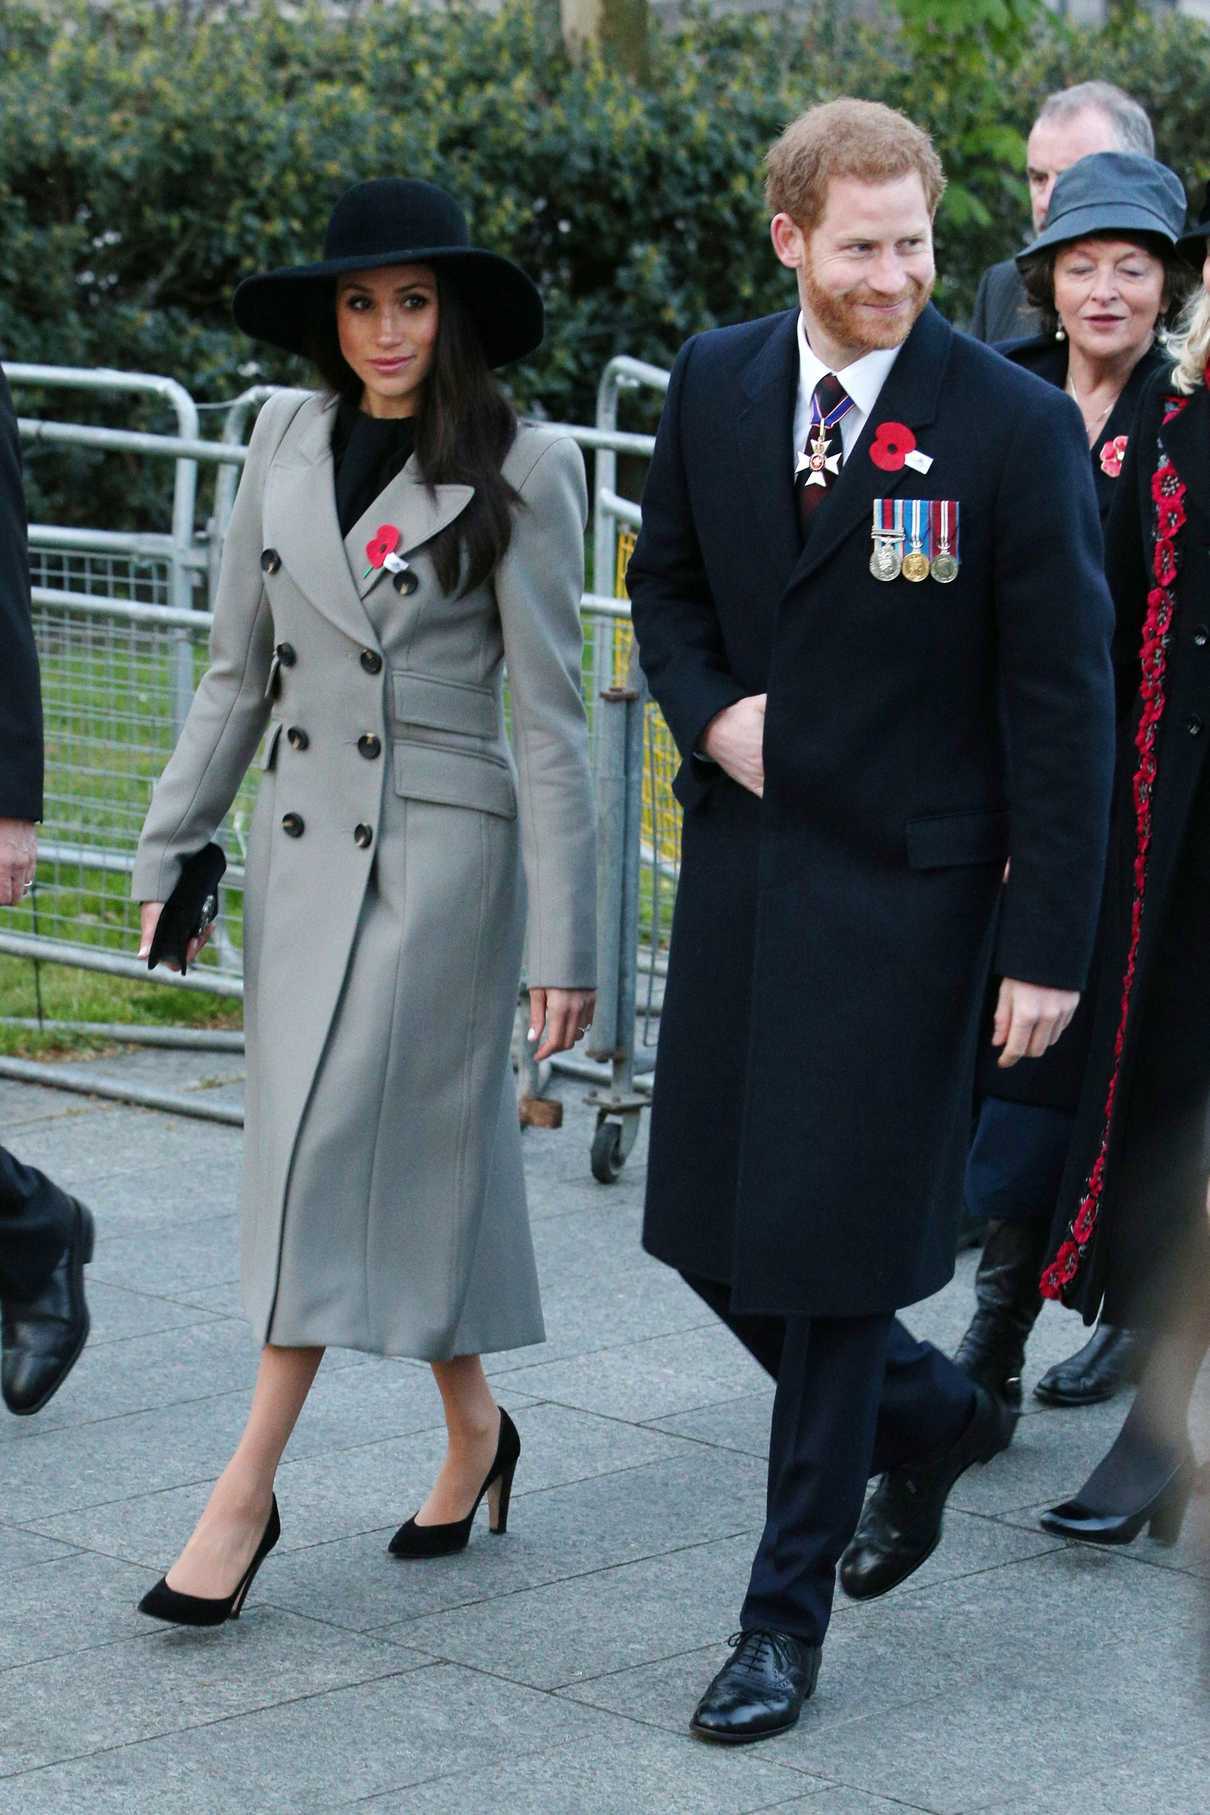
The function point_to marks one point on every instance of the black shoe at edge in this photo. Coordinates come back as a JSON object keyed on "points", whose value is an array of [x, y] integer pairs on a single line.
{"points": [[1110, 1359], [43, 1337], [760, 1690]]}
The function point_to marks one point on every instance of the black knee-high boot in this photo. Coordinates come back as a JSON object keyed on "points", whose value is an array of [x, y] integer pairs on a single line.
{"points": [[1007, 1302]]}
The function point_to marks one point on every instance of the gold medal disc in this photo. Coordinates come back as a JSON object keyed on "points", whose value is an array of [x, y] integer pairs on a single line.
{"points": [[915, 566], [945, 567]]}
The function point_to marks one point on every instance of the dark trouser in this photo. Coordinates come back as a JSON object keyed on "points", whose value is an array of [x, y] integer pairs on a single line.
{"points": [[1014, 1170], [855, 1396], [35, 1227]]}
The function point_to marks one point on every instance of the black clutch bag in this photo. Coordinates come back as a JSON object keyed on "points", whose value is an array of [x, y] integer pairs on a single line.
{"points": [[190, 908]]}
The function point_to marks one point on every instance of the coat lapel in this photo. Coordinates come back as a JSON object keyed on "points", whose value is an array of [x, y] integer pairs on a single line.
{"points": [[764, 430], [418, 511], [909, 396], [301, 523], [300, 519]]}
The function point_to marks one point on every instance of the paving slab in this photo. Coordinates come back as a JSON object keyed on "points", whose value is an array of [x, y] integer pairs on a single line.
{"points": [[568, 1632], [642, 1380], [553, 1535], [611, 1773], [111, 1695], [323, 1749], [338, 1493]]}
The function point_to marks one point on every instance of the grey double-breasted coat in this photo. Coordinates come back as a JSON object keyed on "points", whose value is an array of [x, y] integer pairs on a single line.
{"points": [[394, 845]]}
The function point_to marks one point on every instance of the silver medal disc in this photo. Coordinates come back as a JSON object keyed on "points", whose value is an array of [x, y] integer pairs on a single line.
{"points": [[945, 567], [885, 561]]}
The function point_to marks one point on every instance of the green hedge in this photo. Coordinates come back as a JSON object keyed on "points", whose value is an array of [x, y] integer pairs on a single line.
{"points": [[147, 163]]}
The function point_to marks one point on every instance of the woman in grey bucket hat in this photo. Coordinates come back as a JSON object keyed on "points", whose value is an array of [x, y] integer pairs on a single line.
{"points": [[1105, 275]]}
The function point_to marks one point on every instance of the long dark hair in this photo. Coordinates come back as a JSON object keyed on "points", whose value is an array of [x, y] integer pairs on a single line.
{"points": [[464, 428]]}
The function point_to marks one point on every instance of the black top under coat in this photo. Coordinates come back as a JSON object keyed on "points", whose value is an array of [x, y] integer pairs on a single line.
{"points": [[367, 453]]}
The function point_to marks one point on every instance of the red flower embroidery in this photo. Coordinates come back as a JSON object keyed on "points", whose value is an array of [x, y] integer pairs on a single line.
{"points": [[892, 443], [1168, 494], [1112, 455], [383, 542]]}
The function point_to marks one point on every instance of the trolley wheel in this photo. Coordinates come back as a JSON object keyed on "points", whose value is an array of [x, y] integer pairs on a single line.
{"points": [[607, 1155]]}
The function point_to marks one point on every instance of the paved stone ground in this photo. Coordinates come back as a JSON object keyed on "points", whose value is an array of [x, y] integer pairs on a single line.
{"points": [[552, 1670]]}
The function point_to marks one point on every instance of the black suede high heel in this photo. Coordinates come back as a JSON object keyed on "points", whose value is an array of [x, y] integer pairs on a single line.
{"points": [[1161, 1510], [164, 1603], [412, 1540]]}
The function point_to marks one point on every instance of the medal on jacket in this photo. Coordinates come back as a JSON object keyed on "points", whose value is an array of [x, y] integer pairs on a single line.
{"points": [[943, 514], [815, 461], [916, 562], [887, 535]]}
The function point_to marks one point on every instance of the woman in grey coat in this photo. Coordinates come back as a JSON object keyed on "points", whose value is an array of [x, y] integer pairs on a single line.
{"points": [[395, 539]]}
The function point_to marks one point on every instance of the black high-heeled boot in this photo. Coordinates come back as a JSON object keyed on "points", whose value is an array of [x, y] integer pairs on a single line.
{"points": [[1007, 1302], [412, 1540], [164, 1603]]}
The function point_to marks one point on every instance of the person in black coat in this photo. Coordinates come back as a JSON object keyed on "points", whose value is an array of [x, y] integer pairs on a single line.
{"points": [[827, 634], [1106, 276], [45, 1235], [1132, 1233]]}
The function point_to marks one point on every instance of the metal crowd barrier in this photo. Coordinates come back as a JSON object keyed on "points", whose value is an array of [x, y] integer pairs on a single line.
{"points": [[122, 646]]}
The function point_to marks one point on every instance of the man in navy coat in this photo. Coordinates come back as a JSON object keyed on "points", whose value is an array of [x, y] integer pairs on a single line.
{"points": [[869, 572]]}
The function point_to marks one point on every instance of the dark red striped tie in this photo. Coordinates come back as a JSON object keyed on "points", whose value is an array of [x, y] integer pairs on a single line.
{"points": [[820, 463]]}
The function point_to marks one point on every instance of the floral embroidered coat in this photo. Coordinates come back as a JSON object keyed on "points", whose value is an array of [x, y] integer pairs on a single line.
{"points": [[1056, 1080], [1158, 559]]}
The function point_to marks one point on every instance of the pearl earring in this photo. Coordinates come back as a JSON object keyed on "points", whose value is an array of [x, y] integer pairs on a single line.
{"points": [[1060, 332]]}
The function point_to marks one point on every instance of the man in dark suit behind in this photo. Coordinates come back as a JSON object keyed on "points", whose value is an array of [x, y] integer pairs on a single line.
{"points": [[849, 560], [45, 1235], [1093, 116]]}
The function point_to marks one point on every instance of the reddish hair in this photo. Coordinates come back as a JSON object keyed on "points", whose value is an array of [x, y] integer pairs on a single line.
{"points": [[846, 138]]}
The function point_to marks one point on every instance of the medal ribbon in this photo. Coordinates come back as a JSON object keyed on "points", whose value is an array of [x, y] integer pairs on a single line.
{"points": [[943, 514]]}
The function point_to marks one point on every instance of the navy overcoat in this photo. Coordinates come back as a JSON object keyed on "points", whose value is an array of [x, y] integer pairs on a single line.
{"points": [[832, 943]]}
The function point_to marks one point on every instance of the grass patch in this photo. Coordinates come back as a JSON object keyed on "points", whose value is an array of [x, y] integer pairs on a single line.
{"points": [[72, 994]]}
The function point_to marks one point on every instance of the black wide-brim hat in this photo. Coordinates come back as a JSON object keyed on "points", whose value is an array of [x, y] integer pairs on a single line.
{"points": [[1192, 243], [1112, 192], [397, 221]]}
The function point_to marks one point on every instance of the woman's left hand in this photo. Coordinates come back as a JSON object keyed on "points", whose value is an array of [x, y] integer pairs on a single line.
{"points": [[565, 1014]]}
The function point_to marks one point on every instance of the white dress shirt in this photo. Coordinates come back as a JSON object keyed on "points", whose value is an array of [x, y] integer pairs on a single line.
{"points": [[862, 380]]}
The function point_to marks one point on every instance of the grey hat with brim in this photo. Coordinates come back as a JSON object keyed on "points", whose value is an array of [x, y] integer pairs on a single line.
{"points": [[1192, 242], [1112, 192]]}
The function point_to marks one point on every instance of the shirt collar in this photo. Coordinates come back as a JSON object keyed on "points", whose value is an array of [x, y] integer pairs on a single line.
{"points": [[863, 379]]}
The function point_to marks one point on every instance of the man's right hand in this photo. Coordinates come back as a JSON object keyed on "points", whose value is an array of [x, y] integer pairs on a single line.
{"points": [[735, 738], [18, 859]]}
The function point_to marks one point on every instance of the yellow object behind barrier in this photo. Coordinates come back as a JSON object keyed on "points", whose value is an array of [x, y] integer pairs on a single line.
{"points": [[661, 815]]}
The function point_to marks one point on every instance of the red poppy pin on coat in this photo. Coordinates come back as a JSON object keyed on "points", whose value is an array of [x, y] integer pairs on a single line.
{"points": [[380, 549], [892, 446]]}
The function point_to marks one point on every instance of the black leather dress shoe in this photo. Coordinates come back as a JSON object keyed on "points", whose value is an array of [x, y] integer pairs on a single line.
{"points": [[1109, 1359], [759, 1691], [43, 1336], [901, 1525]]}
